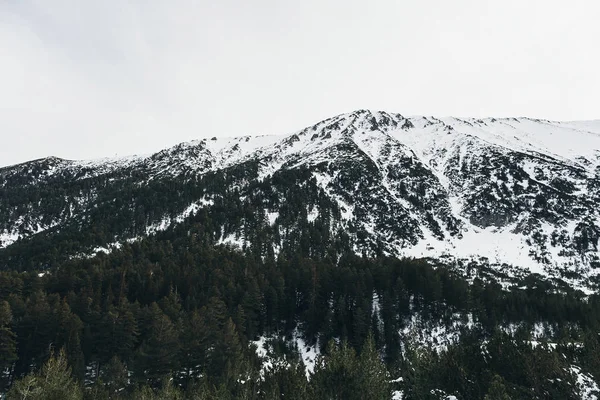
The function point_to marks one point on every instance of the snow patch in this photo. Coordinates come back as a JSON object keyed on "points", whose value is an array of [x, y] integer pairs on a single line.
{"points": [[167, 221], [588, 388], [272, 217]]}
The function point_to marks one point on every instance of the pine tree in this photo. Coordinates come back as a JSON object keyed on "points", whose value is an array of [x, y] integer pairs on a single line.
{"points": [[334, 376], [159, 352], [253, 309], [285, 381], [193, 357], [372, 376], [114, 375], [70, 329], [497, 390], [117, 333], [167, 392], [229, 356], [8, 339], [53, 382]]}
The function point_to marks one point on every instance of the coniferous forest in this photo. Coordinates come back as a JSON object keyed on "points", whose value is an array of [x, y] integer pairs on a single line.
{"points": [[156, 281], [170, 317]]}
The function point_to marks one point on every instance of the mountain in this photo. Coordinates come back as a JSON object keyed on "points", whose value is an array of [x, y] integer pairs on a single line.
{"points": [[381, 257], [494, 197]]}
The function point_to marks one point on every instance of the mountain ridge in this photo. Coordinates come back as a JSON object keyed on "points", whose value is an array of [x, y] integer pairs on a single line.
{"points": [[468, 120], [513, 192]]}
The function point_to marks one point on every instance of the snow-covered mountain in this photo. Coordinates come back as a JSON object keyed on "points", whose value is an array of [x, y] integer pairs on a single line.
{"points": [[514, 194]]}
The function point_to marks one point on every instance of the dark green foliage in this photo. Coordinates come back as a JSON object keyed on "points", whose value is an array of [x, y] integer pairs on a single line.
{"points": [[340, 374], [497, 390], [8, 339], [285, 382], [157, 355], [335, 373], [179, 310]]}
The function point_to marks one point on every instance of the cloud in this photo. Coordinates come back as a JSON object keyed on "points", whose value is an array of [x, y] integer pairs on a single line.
{"points": [[91, 79]]}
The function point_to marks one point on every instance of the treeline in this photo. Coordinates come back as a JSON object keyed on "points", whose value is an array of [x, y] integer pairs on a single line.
{"points": [[341, 374], [99, 210], [179, 315]]}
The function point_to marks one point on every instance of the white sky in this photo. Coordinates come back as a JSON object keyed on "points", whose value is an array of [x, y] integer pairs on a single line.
{"points": [[94, 78]]}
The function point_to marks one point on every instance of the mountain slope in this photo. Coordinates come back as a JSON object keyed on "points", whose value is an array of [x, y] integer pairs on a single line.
{"points": [[515, 195]]}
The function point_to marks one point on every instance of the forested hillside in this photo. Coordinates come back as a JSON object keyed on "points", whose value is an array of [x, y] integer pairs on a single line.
{"points": [[370, 256], [516, 194], [174, 315]]}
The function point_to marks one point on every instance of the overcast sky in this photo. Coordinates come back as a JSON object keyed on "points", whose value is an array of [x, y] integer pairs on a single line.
{"points": [[87, 79]]}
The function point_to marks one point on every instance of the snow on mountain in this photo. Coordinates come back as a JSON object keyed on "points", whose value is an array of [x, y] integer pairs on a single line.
{"points": [[486, 175], [510, 191]]}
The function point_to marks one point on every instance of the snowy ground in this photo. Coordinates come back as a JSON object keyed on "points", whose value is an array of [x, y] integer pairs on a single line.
{"points": [[308, 354]]}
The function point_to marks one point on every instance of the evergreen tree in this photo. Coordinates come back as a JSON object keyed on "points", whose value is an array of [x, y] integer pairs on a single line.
{"points": [[285, 381], [334, 377], [53, 382], [159, 351], [194, 343], [497, 390], [228, 356], [117, 333], [372, 375], [114, 376], [167, 392], [8, 339]]}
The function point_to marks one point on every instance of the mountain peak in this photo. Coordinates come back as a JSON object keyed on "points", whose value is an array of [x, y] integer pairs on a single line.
{"points": [[515, 192]]}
